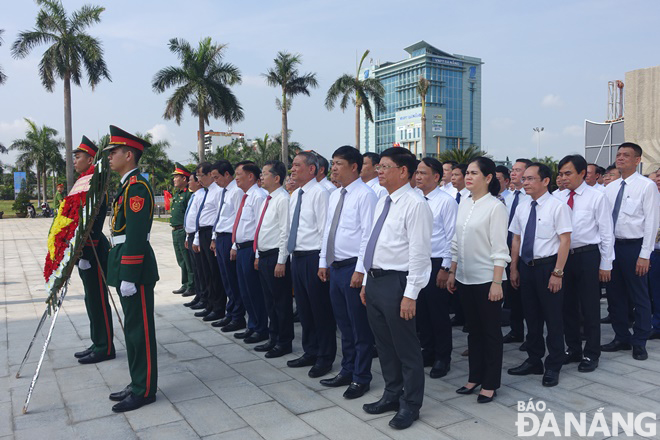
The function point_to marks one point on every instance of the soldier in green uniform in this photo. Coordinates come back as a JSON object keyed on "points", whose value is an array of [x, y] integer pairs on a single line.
{"points": [[91, 272], [59, 196], [180, 200], [132, 268]]}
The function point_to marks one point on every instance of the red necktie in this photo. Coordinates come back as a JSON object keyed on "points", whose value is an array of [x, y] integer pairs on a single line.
{"points": [[570, 199], [238, 219], [261, 219]]}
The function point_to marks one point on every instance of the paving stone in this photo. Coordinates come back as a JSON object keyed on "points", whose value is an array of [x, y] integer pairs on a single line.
{"points": [[419, 430], [238, 392], [87, 404], [209, 415], [207, 338], [158, 413], [182, 386], [472, 429], [296, 397], [272, 421], [184, 351], [171, 431], [116, 425], [260, 373], [238, 434], [232, 353], [209, 369], [337, 423]]}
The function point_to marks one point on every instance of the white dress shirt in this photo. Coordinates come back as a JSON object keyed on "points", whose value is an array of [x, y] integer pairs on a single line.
{"points": [[558, 192], [508, 200], [465, 194], [229, 208], [504, 194], [450, 189], [325, 182], [375, 185], [247, 223], [312, 215], [274, 231], [444, 209], [638, 214], [354, 227], [553, 218], [404, 243], [209, 210], [599, 187], [479, 243], [592, 221], [190, 218]]}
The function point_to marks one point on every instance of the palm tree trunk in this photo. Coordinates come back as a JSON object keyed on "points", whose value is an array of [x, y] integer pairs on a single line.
{"points": [[423, 133], [38, 186], [357, 127], [285, 133], [200, 141], [45, 182], [68, 136]]}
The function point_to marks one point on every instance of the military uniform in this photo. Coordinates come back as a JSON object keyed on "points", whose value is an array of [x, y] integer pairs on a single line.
{"points": [[180, 200]]}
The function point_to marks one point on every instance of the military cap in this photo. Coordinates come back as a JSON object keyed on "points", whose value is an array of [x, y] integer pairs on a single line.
{"points": [[87, 146], [121, 138], [180, 170]]}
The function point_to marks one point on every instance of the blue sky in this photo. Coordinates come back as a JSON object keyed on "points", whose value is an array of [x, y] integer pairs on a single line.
{"points": [[547, 64]]}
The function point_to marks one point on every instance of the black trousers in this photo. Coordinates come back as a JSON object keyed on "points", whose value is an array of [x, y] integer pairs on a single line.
{"points": [[542, 307], [216, 299], [399, 351], [513, 302], [319, 335], [433, 323], [582, 294], [235, 308], [196, 260], [278, 299], [485, 335]]}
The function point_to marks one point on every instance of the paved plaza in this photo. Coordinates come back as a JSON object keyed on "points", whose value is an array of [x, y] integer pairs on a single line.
{"points": [[213, 386]]}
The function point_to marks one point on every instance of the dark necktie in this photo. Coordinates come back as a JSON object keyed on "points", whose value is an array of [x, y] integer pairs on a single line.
{"points": [[330, 252], [458, 197], [617, 203], [570, 198], [373, 239], [201, 206], [238, 219], [222, 202], [291, 245], [514, 205], [527, 253], [261, 219]]}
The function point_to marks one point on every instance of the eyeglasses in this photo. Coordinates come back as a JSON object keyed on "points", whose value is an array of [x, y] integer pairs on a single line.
{"points": [[385, 167], [529, 179]]}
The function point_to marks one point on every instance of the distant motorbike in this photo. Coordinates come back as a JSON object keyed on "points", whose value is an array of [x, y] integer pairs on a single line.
{"points": [[31, 212], [45, 210]]}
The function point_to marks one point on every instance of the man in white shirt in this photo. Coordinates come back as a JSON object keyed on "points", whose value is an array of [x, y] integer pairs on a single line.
{"points": [[215, 299], [594, 174], [307, 209], [272, 258], [369, 175], [446, 185], [345, 236], [458, 180], [189, 220], [398, 264], [504, 177], [589, 260], [322, 176], [634, 200], [433, 322], [541, 241]]}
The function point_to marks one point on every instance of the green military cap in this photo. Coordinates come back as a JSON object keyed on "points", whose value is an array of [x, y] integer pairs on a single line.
{"points": [[121, 138], [180, 170], [87, 146]]}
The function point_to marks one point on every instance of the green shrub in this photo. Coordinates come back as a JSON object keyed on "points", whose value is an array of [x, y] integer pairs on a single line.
{"points": [[19, 204]]}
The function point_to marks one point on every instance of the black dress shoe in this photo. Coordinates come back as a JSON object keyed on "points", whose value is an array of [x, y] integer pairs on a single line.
{"points": [[466, 390], [278, 351], [606, 320], [382, 406], [319, 370], [133, 402], [511, 337], [356, 390], [255, 337], [213, 316], [268, 346], [192, 303], [120, 395], [550, 378], [233, 326], [526, 368], [404, 418], [440, 369], [199, 306], [223, 322], [95, 357], [179, 290], [572, 356], [202, 313], [654, 335], [455, 322], [187, 293], [85, 352], [485, 399], [640, 353], [523, 346], [246, 334], [338, 381], [615, 346], [588, 365], [303, 361]]}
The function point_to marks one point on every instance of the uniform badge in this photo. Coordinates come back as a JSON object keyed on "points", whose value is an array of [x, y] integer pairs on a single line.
{"points": [[136, 203], [133, 180]]}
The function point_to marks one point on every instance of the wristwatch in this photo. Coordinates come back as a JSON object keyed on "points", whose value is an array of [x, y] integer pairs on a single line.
{"points": [[446, 269], [559, 273]]}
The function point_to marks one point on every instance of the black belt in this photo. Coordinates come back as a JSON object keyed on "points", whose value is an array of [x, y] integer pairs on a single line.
{"points": [[377, 273], [343, 263], [656, 251], [222, 234], [268, 253], [244, 245], [176, 228], [587, 248], [205, 228], [628, 240], [540, 261], [304, 253]]}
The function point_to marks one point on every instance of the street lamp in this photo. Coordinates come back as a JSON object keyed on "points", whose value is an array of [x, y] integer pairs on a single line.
{"points": [[538, 144]]}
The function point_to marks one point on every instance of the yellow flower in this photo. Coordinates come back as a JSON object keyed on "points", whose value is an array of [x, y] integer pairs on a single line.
{"points": [[60, 223]]}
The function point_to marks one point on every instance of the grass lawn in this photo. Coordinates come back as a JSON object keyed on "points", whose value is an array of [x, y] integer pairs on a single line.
{"points": [[5, 205]]}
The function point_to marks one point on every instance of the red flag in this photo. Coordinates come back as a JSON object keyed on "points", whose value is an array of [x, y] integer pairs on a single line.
{"points": [[168, 198]]}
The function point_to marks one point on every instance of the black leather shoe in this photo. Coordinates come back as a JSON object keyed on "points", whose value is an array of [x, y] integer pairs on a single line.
{"points": [[338, 381], [523, 346], [278, 351], [187, 293], [319, 370], [255, 337], [199, 306], [654, 335], [404, 418], [466, 390], [303, 361], [550, 378], [246, 334], [222, 322], [572, 356], [485, 399], [192, 303], [588, 365], [382, 406], [526, 368], [120, 395], [455, 322], [639, 353], [440, 369], [202, 313], [133, 402], [95, 357], [615, 346], [179, 290], [356, 390], [268, 346], [213, 316], [233, 326], [606, 320], [85, 352], [511, 337]]}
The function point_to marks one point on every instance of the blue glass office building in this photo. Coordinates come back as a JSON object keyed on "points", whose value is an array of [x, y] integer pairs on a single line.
{"points": [[453, 102]]}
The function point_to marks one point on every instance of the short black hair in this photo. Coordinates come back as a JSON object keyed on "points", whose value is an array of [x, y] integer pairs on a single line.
{"points": [[634, 146], [277, 168], [374, 157], [137, 153], [460, 166], [250, 167], [204, 167], [311, 159], [527, 162], [579, 162], [504, 170], [600, 170], [488, 168], [323, 163], [596, 167], [193, 176], [223, 166], [610, 168], [453, 163], [434, 164], [402, 157], [351, 155], [544, 170]]}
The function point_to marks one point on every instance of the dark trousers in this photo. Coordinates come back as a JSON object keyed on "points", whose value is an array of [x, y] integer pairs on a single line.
{"points": [[216, 298], [319, 337], [513, 302], [195, 262], [251, 294], [654, 287], [235, 308], [542, 306], [357, 341], [627, 288], [183, 259], [399, 352], [278, 299], [582, 294], [485, 335], [433, 323]]}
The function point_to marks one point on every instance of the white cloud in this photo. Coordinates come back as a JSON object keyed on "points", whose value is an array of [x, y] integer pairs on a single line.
{"points": [[13, 129], [574, 130], [160, 132], [502, 123], [551, 100]]}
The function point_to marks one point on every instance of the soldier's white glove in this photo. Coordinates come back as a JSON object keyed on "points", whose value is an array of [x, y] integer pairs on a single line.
{"points": [[84, 264], [127, 288]]}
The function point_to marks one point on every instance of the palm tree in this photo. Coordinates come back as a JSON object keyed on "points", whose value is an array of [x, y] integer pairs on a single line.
{"points": [[202, 82], [3, 149], [285, 75], [3, 77], [71, 49], [294, 148], [461, 155], [155, 161], [422, 88], [358, 91]]}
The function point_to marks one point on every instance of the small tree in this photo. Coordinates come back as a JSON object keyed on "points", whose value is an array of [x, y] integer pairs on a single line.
{"points": [[422, 89]]}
